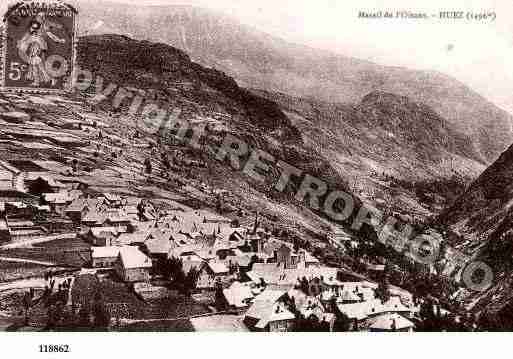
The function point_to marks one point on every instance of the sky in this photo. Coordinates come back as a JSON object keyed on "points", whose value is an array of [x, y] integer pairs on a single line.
{"points": [[479, 54]]}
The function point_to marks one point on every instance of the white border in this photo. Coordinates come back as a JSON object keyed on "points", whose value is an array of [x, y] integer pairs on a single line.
{"points": [[259, 346]]}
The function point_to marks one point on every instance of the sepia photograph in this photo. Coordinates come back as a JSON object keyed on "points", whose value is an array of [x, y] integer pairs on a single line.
{"points": [[255, 167]]}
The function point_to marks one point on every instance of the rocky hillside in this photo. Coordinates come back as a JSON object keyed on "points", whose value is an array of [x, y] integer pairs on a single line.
{"points": [[164, 69], [385, 145], [480, 223], [482, 215], [108, 149], [257, 60], [170, 79]]}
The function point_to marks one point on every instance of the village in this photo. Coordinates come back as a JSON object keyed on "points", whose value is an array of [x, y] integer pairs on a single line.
{"points": [[255, 280], [80, 247], [233, 276]]}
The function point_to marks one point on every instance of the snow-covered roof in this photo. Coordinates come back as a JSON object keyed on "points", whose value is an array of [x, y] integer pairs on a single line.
{"points": [[373, 307], [237, 294], [132, 257], [158, 245], [391, 321], [218, 267], [100, 232], [104, 252], [268, 312], [348, 296]]}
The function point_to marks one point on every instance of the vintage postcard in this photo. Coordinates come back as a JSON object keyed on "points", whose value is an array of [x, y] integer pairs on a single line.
{"points": [[272, 166]]}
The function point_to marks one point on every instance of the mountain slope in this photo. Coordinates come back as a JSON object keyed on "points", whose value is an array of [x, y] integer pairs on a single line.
{"points": [[113, 148], [484, 211], [208, 97], [258, 60], [385, 145], [482, 219]]}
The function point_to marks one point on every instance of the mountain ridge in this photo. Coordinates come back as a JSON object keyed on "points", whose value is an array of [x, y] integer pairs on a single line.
{"points": [[259, 60]]}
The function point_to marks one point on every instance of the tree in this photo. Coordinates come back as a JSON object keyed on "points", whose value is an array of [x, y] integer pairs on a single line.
{"points": [[297, 245], [74, 165], [383, 291], [148, 166], [191, 280], [39, 186], [55, 314], [27, 303], [84, 317], [165, 161], [100, 313], [220, 301], [172, 268], [342, 321], [305, 286]]}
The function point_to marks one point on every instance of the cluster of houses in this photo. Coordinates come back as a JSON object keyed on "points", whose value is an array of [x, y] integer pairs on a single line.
{"points": [[278, 292], [260, 275], [267, 281], [32, 200]]}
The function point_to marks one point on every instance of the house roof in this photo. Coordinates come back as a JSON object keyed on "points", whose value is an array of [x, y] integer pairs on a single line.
{"points": [[354, 310], [118, 216], [309, 258], [307, 305], [228, 231], [186, 249], [237, 294], [101, 232], [190, 262], [80, 203], [77, 205], [268, 312], [217, 267], [12, 193], [3, 225], [132, 257], [6, 175], [206, 253], [273, 273], [131, 210], [373, 307], [47, 178], [57, 198], [242, 260], [180, 239], [112, 197], [348, 296], [130, 238], [391, 321], [270, 295], [104, 252], [144, 226], [212, 217], [132, 201], [6, 166], [159, 234], [158, 245]]}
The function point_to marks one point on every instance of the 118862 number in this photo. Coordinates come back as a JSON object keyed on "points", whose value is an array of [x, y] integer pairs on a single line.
{"points": [[54, 348]]}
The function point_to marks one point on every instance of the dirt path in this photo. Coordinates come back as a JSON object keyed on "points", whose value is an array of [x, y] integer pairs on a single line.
{"points": [[29, 261], [30, 242], [31, 283]]}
